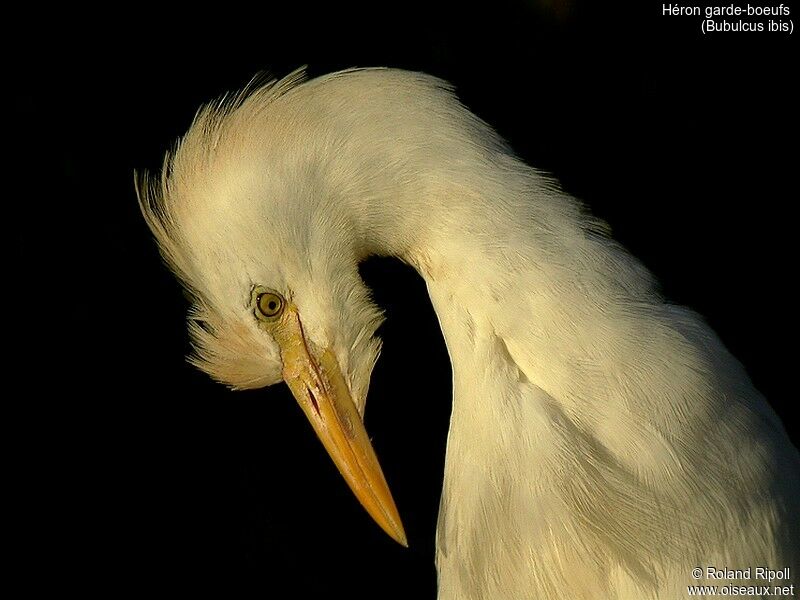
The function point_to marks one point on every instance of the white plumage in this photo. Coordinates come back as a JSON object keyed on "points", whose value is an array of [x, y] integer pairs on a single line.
{"points": [[602, 443]]}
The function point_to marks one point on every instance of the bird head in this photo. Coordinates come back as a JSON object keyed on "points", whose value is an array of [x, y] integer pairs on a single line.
{"points": [[253, 230]]}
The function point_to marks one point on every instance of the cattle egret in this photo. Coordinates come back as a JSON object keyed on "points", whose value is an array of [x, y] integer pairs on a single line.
{"points": [[603, 443]]}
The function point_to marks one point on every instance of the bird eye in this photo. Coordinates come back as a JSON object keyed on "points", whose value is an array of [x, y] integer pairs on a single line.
{"points": [[269, 305]]}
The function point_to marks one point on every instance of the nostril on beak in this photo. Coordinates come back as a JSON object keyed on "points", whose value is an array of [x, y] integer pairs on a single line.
{"points": [[313, 398]]}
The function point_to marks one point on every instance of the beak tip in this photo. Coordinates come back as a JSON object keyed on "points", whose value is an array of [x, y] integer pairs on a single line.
{"points": [[399, 536]]}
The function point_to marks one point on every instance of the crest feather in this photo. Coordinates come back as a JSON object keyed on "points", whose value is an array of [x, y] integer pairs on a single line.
{"points": [[167, 204]]}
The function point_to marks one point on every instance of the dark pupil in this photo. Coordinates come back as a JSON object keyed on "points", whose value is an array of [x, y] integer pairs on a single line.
{"points": [[269, 304]]}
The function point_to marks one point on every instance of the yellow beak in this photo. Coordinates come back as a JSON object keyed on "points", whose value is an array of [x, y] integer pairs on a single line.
{"points": [[319, 387]]}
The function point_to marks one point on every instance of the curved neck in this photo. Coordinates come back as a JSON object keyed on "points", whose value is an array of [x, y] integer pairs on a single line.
{"points": [[520, 275]]}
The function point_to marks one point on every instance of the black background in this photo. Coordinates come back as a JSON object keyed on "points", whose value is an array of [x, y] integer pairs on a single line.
{"points": [[140, 475]]}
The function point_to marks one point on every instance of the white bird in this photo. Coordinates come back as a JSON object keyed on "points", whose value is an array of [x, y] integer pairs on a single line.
{"points": [[603, 443]]}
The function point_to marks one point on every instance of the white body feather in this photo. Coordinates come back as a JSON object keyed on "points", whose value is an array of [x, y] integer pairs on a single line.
{"points": [[603, 443]]}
